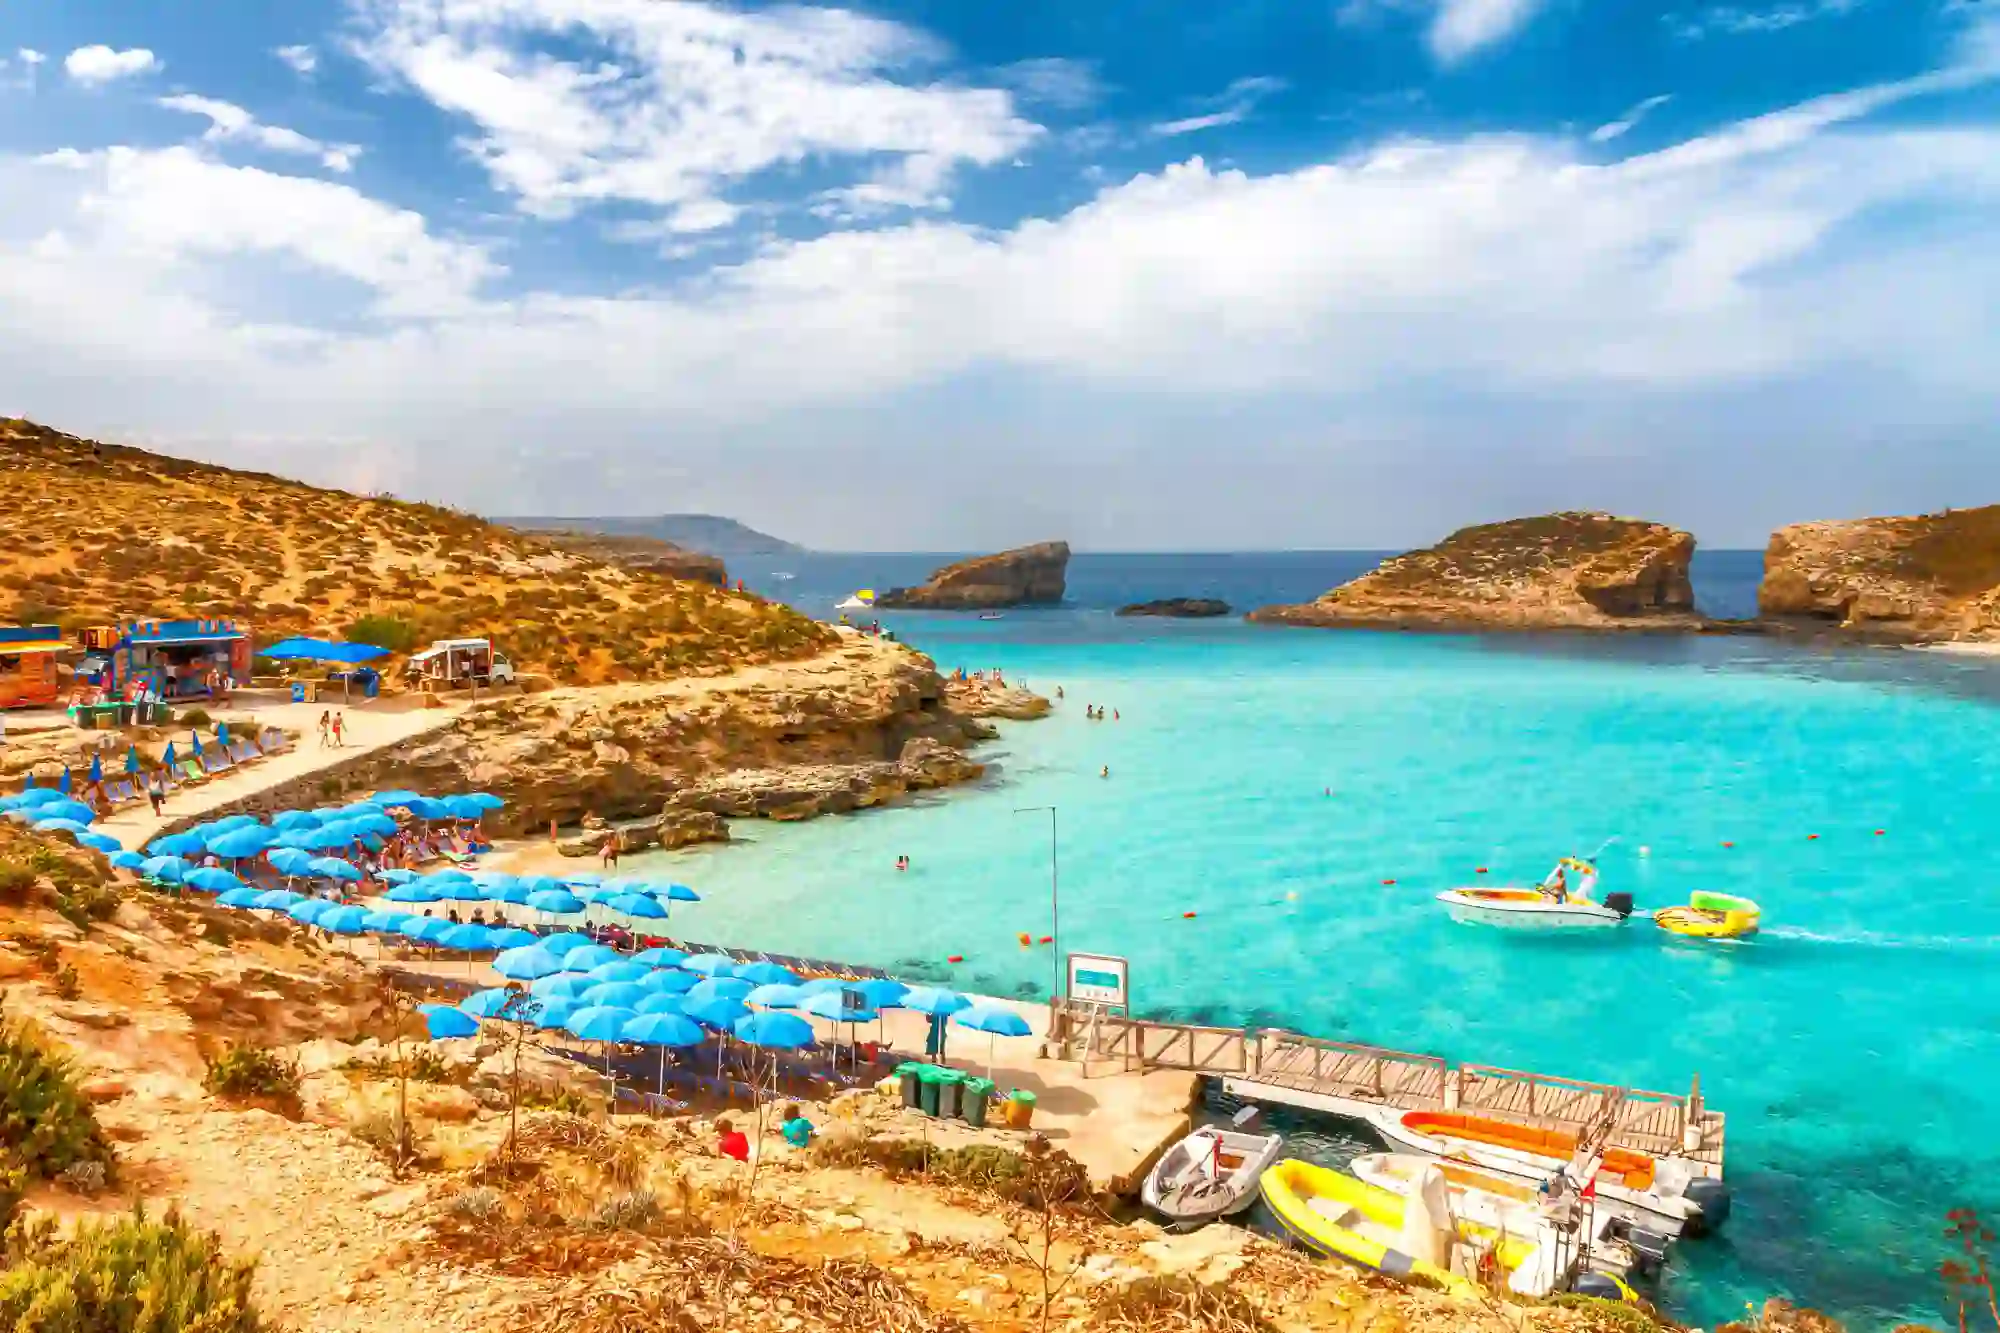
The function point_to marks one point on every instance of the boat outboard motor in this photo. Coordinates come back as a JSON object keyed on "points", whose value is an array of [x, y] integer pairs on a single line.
{"points": [[1598, 1285], [1711, 1200], [1620, 903], [1649, 1248]]}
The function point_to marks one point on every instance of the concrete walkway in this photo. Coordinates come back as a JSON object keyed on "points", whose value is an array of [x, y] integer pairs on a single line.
{"points": [[366, 729]]}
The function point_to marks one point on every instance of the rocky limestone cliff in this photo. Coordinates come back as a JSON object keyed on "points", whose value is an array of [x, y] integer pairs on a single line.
{"points": [[646, 554], [859, 725], [1558, 571], [1185, 607], [1933, 576], [1023, 576]]}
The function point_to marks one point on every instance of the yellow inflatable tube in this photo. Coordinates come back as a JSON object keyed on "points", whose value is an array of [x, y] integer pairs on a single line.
{"points": [[1711, 916], [1335, 1214]]}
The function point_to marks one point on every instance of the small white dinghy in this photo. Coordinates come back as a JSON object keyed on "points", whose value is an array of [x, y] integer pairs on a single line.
{"points": [[1211, 1173], [1556, 901]]}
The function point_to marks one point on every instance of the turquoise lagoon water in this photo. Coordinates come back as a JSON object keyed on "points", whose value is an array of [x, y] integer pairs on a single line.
{"points": [[1855, 1045]]}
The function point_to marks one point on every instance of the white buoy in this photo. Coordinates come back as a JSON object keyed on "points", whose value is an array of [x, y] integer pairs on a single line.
{"points": [[1645, 851]]}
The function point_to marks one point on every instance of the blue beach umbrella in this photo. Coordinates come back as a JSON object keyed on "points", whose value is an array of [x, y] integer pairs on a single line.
{"points": [[588, 956], [622, 994], [211, 879], [194, 743], [880, 992], [276, 900], [63, 782], [291, 860], [33, 795], [541, 884], [444, 1021], [937, 1003], [996, 1022], [595, 894], [511, 894], [132, 761], [719, 988], [385, 923], [308, 910], [398, 875], [490, 1003], [680, 893], [244, 898], [238, 844], [459, 807], [773, 996], [168, 758], [165, 869], [555, 902], [637, 905], [565, 942], [563, 986], [373, 822], [618, 970], [485, 800], [583, 880], [767, 974], [512, 937], [554, 1014], [222, 733], [460, 891], [69, 826], [774, 1031], [527, 964], [391, 799], [288, 819], [662, 1030], [127, 860], [710, 964], [832, 1004], [601, 1022], [466, 939], [343, 920], [669, 981], [423, 807], [412, 893], [820, 984], [76, 810], [659, 957], [719, 1014], [96, 768], [662, 1004], [429, 929], [449, 875], [332, 867]]}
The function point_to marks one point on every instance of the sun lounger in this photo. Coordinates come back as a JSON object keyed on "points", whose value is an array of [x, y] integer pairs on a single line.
{"points": [[244, 750], [273, 741], [192, 771], [119, 791], [213, 760]]}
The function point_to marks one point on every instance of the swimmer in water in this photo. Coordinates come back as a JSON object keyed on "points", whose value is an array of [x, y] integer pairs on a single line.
{"points": [[1104, 772], [1114, 715]]}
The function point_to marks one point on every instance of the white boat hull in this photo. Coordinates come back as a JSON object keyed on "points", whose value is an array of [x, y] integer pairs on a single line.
{"points": [[1209, 1174], [1542, 913]]}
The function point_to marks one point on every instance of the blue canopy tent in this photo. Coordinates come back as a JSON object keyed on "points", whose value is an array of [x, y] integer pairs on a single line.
{"points": [[321, 650]]}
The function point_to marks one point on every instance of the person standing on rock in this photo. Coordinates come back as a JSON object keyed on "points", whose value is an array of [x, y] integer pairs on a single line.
{"points": [[607, 851]]}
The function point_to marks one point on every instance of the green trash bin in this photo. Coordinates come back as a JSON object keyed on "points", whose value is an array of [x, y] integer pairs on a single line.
{"points": [[906, 1074], [951, 1086], [125, 714], [978, 1095], [927, 1089]]}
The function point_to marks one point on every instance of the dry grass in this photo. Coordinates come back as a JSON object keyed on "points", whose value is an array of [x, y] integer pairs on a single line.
{"points": [[1516, 548], [114, 532]]}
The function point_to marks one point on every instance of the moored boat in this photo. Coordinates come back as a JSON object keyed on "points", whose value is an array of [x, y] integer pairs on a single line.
{"points": [[1711, 916], [1411, 1236], [1558, 901], [1211, 1173], [1666, 1194]]}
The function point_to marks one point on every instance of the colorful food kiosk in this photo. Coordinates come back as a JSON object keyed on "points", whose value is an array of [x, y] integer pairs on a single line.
{"points": [[167, 659], [28, 665]]}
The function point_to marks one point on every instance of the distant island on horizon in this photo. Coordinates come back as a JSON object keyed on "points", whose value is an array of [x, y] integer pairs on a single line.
{"points": [[710, 534]]}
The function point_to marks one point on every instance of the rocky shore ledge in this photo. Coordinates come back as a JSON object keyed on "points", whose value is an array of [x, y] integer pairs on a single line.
{"points": [[1931, 577], [668, 763], [1558, 571], [1026, 575], [1182, 607]]}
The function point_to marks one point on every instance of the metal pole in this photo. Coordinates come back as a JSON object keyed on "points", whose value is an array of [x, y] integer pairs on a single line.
{"points": [[1055, 900]]}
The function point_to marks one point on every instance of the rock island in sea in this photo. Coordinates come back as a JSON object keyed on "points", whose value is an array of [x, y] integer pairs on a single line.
{"points": [[1024, 576], [1926, 577], [1567, 570]]}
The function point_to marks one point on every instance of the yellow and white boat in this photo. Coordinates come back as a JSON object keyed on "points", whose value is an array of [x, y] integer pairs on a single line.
{"points": [[1711, 916], [1410, 1236]]}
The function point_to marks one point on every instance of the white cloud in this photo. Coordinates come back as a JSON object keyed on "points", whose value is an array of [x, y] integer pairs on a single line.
{"points": [[1463, 27], [1235, 104], [1737, 20], [302, 59], [1068, 85], [229, 123], [93, 66], [1619, 128], [679, 100], [31, 57], [1509, 265]]}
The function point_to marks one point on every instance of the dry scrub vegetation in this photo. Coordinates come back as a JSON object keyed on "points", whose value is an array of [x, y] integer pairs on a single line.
{"points": [[106, 532]]}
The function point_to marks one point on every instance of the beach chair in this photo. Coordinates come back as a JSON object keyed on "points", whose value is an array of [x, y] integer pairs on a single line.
{"points": [[119, 791], [274, 741], [215, 760], [243, 750], [192, 771]]}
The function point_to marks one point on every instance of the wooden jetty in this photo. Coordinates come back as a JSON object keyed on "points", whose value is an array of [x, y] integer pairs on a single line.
{"points": [[1367, 1082]]}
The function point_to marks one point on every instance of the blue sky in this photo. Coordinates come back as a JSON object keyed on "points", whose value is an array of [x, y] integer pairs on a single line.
{"points": [[935, 275]]}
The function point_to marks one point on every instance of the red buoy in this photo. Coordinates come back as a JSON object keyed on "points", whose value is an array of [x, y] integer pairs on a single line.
{"points": [[1878, 833], [956, 958], [1728, 844], [1812, 837], [1480, 871], [1388, 881], [1187, 916], [1046, 939]]}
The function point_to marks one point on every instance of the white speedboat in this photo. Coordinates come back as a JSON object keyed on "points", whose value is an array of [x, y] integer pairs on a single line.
{"points": [[1211, 1173], [1558, 900]]}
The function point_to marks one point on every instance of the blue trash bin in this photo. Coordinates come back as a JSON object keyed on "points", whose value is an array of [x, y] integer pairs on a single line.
{"points": [[298, 692]]}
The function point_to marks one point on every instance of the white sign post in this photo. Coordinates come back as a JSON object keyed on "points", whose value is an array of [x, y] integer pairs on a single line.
{"points": [[1100, 979]]}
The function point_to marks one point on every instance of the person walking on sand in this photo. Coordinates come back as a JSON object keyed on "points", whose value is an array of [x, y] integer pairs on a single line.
{"points": [[607, 851], [339, 724], [156, 793], [325, 725]]}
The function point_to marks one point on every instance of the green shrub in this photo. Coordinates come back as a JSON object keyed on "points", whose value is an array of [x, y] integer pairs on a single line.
{"points": [[16, 882], [192, 717], [46, 1124], [398, 636], [248, 1071], [127, 1276]]}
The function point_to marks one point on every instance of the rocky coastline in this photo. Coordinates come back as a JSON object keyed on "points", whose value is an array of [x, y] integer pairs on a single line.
{"points": [[1024, 576], [1915, 579], [1192, 608], [1571, 570], [670, 763]]}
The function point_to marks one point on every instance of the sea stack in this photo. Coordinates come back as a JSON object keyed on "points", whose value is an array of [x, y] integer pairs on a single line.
{"points": [[1024, 576], [1932, 576], [1557, 571], [1190, 608]]}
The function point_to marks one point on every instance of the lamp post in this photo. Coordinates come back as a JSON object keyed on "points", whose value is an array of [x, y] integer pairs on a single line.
{"points": [[1055, 914]]}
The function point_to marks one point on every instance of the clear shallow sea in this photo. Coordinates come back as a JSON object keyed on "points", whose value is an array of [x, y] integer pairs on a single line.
{"points": [[1856, 1045]]}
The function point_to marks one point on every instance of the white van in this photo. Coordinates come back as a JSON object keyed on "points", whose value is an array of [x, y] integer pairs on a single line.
{"points": [[452, 661]]}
